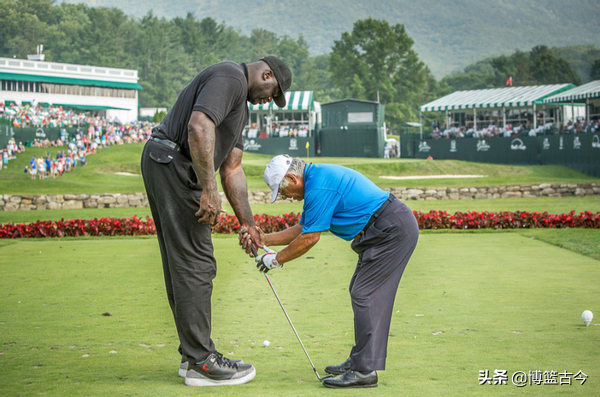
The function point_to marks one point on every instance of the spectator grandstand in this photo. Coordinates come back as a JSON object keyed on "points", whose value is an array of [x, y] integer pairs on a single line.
{"points": [[48, 116], [93, 132], [494, 131]]}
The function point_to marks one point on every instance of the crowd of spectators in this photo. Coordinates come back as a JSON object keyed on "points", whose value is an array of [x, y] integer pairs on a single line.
{"points": [[494, 131], [278, 131], [45, 166], [94, 134], [38, 116]]}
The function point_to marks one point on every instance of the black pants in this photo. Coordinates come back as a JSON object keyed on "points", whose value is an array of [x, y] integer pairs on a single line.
{"points": [[383, 253], [185, 245]]}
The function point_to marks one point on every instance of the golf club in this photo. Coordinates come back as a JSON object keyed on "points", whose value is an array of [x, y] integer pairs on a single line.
{"points": [[321, 378]]}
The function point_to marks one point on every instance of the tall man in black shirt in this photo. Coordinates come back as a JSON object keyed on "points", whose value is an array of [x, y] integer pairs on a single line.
{"points": [[202, 133]]}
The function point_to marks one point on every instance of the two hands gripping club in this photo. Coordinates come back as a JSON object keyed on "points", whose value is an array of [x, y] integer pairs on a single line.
{"points": [[266, 261]]}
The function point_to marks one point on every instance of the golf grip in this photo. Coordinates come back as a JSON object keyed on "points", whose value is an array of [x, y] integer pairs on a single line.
{"points": [[244, 231]]}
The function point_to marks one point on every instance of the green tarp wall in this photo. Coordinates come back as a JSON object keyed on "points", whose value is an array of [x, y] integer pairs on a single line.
{"points": [[356, 141], [295, 147], [581, 151], [352, 128], [30, 134]]}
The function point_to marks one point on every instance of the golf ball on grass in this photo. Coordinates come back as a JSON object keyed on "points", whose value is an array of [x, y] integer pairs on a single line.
{"points": [[587, 317], [266, 343]]}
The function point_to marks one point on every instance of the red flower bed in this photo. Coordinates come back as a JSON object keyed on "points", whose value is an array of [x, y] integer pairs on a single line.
{"points": [[506, 220], [135, 226], [268, 223]]}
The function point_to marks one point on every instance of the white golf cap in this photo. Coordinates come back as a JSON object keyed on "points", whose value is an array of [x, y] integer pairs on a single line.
{"points": [[275, 172]]}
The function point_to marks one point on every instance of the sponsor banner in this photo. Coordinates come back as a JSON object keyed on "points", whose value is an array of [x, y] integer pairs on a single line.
{"points": [[580, 151], [29, 134], [293, 146], [482, 146], [517, 144], [453, 148]]}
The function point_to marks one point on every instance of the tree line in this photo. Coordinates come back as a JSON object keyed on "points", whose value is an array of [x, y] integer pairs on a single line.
{"points": [[375, 61]]}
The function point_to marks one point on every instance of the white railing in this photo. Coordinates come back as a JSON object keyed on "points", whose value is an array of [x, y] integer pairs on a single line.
{"points": [[68, 70]]}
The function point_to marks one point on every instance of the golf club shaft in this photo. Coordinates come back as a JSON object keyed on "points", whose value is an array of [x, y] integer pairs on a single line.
{"points": [[288, 317], [291, 324]]}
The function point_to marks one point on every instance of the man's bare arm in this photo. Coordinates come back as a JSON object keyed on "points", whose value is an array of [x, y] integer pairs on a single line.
{"points": [[201, 140], [235, 186], [283, 237], [300, 246]]}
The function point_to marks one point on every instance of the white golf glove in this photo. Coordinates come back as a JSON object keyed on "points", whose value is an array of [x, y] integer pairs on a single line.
{"points": [[268, 261]]}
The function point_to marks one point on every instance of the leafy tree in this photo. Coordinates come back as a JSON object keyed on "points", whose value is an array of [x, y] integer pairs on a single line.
{"points": [[377, 59], [23, 25], [595, 70], [158, 116], [580, 57], [537, 67], [547, 69], [477, 76], [517, 66]]}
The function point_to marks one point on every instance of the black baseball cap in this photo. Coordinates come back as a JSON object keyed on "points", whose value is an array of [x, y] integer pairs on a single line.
{"points": [[283, 75]]}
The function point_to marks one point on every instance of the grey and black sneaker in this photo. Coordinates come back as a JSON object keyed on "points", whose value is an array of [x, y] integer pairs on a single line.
{"points": [[216, 370], [183, 367]]}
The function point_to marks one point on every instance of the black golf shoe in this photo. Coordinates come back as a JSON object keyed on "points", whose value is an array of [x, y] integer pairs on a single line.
{"points": [[218, 371], [352, 379], [338, 369], [183, 367]]}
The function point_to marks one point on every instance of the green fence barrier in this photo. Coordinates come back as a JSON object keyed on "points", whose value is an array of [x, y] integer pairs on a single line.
{"points": [[352, 142], [581, 151], [29, 134], [5, 133]]}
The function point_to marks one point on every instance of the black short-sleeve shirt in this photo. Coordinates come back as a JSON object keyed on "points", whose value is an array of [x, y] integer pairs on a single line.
{"points": [[219, 91]]}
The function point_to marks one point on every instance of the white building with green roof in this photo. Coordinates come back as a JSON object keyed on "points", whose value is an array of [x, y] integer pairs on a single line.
{"points": [[111, 92]]}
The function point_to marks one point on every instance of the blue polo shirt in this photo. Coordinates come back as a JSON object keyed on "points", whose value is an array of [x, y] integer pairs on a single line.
{"points": [[338, 199]]}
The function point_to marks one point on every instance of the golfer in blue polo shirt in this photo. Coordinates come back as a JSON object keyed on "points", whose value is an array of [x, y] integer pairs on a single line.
{"points": [[384, 234]]}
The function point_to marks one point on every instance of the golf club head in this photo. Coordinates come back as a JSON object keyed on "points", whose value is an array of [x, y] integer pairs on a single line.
{"points": [[322, 378]]}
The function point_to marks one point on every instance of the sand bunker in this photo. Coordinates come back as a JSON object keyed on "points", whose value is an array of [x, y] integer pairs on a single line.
{"points": [[126, 174], [433, 177]]}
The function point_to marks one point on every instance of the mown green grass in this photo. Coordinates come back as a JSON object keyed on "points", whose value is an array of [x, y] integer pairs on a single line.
{"points": [[99, 175], [467, 302], [582, 241]]}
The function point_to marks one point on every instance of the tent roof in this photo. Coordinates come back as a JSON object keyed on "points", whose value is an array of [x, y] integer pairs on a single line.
{"points": [[68, 80], [88, 107], [296, 100], [589, 90], [495, 98], [353, 100]]}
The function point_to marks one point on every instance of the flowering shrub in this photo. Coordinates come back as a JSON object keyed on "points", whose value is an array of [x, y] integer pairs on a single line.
{"points": [[135, 226], [268, 223], [506, 220]]}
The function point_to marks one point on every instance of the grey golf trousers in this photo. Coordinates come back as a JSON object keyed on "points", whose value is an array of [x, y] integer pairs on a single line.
{"points": [[186, 248], [383, 253]]}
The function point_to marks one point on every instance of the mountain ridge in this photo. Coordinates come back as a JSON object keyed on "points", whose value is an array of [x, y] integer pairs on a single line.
{"points": [[448, 35]]}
